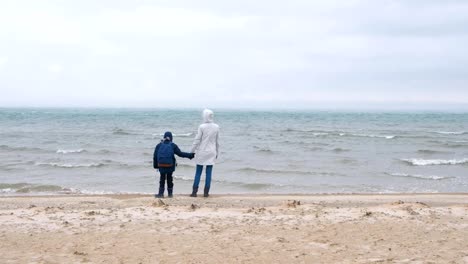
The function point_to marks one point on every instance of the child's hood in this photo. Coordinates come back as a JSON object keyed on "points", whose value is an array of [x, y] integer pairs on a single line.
{"points": [[168, 136]]}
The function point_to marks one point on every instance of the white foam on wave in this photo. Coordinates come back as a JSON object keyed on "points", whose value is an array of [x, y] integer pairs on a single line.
{"points": [[374, 136], [183, 135], [89, 192], [190, 179], [186, 165], [7, 190], [68, 151], [174, 135], [183, 178], [424, 162], [370, 135], [319, 134], [419, 176], [451, 132], [66, 165], [62, 191]]}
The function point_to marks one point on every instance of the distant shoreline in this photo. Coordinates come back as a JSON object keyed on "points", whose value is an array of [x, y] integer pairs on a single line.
{"points": [[403, 108]]}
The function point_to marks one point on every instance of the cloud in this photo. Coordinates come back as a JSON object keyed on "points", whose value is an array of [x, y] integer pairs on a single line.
{"points": [[237, 52], [55, 68], [3, 62], [161, 21]]}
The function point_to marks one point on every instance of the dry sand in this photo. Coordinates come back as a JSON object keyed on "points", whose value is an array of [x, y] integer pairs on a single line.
{"points": [[420, 228]]}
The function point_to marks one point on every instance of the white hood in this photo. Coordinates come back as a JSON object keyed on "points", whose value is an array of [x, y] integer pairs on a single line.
{"points": [[205, 144], [208, 116]]}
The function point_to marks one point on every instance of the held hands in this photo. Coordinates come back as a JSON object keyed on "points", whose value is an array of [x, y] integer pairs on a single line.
{"points": [[192, 155]]}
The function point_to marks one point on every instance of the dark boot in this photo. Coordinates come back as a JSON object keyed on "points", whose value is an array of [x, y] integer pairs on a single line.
{"points": [[161, 193], [206, 191], [194, 192], [169, 192]]}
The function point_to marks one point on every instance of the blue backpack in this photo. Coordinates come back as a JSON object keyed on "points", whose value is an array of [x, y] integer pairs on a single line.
{"points": [[166, 155]]}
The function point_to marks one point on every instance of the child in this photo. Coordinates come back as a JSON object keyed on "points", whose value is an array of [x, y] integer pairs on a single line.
{"points": [[164, 160]]}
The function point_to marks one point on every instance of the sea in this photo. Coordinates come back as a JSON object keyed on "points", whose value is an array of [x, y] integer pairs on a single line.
{"points": [[109, 151]]}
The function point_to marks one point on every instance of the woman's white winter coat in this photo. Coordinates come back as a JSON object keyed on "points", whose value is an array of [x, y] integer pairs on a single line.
{"points": [[206, 146]]}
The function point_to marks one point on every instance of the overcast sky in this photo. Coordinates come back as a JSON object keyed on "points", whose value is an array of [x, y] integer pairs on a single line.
{"points": [[214, 53]]}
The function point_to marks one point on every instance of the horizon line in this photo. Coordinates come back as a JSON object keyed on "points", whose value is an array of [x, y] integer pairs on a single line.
{"points": [[459, 108]]}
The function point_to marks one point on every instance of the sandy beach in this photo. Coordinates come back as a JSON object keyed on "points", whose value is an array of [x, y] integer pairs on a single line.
{"points": [[418, 228]]}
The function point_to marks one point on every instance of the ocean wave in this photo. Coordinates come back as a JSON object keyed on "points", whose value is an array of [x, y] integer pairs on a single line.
{"points": [[315, 149], [456, 145], [320, 134], [424, 162], [451, 132], [9, 168], [367, 135], [122, 132], [184, 178], [105, 151], [259, 186], [295, 130], [429, 151], [289, 172], [185, 165], [174, 135], [450, 144], [338, 150], [265, 150], [95, 164], [10, 188], [347, 161], [250, 186], [48, 189], [270, 171], [182, 135], [69, 151], [373, 136], [40, 189], [262, 149], [316, 133], [418, 176], [97, 192], [303, 143], [11, 148], [13, 185], [70, 166]]}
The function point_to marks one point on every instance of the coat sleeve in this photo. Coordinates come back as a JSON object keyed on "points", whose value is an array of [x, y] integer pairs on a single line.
{"points": [[155, 157], [179, 153], [197, 140], [217, 144]]}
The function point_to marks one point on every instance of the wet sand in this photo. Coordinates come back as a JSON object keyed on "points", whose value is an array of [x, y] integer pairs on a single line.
{"points": [[417, 228]]}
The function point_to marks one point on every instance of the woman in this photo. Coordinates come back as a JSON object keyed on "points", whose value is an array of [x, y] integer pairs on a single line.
{"points": [[206, 149]]}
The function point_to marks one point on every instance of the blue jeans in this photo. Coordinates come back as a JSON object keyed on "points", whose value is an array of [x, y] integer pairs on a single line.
{"points": [[198, 172]]}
